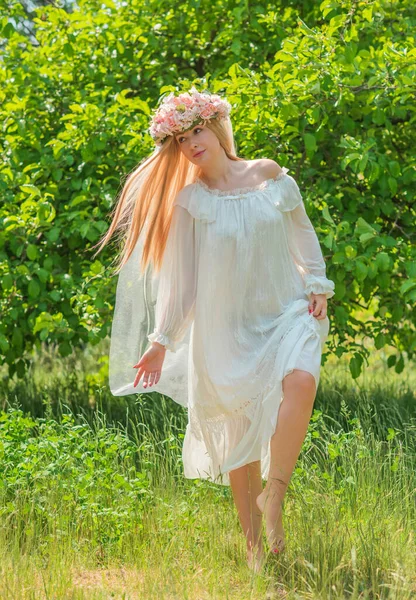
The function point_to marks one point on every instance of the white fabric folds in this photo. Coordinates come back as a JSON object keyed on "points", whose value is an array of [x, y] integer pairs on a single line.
{"points": [[231, 305]]}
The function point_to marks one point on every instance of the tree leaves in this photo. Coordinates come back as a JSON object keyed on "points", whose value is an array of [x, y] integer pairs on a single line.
{"points": [[355, 365], [330, 97]]}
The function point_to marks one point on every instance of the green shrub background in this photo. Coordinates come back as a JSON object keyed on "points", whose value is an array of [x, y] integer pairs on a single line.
{"points": [[326, 89]]}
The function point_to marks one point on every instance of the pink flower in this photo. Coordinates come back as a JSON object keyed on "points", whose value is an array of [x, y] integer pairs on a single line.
{"points": [[186, 99], [178, 113], [171, 121], [207, 112]]}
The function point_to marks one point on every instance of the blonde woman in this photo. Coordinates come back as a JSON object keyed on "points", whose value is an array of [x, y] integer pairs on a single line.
{"points": [[221, 271]]}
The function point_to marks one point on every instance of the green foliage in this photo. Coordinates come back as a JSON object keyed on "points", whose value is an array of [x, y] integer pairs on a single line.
{"points": [[93, 474], [329, 94], [94, 497]]}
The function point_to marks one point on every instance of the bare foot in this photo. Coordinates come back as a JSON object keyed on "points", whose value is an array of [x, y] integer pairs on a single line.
{"points": [[270, 505]]}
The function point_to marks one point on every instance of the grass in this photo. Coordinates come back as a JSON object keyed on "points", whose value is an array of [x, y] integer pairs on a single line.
{"points": [[94, 504]]}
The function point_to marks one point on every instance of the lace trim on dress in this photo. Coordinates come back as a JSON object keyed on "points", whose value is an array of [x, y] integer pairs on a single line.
{"points": [[244, 190]]}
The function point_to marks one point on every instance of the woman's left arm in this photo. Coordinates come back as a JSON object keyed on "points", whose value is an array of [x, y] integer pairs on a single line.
{"points": [[306, 251]]}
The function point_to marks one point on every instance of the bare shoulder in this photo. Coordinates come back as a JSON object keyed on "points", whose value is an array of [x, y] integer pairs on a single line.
{"points": [[267, 168]]}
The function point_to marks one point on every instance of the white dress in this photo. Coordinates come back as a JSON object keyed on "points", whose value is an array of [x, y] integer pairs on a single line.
{"points": [[231, 305]]}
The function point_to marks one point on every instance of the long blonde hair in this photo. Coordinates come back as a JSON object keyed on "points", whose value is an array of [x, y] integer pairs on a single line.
{"points": [[149, 194]]}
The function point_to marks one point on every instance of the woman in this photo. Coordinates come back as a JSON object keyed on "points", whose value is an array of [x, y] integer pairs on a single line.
{"points": [[234, 308]]}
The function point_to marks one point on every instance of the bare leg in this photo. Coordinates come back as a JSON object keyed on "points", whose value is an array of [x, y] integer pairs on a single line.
{"points": [[246, 484], [299, 392]]}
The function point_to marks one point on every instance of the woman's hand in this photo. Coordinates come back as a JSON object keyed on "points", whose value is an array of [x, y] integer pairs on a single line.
{"points": [[318, 306], [151, 365]]}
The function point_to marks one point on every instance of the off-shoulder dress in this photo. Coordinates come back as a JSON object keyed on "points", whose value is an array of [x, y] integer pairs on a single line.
{"points": [[230, 304]]}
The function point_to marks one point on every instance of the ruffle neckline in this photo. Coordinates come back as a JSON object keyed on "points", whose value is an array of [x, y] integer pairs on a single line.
{"points": [[243, 190]]}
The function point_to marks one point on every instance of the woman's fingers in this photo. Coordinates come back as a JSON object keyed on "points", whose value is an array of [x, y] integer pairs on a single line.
{"points": [[149, 377], [320, 307], [322, 314], [138, 376], [151, 359], [311, 306], [312, 303]]}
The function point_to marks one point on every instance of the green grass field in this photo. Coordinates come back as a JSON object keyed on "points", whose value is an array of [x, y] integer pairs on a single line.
{"points": [[94, 504]]}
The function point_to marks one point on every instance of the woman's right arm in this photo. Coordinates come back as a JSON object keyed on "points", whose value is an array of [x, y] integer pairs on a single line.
{"points": [[176, 294]]}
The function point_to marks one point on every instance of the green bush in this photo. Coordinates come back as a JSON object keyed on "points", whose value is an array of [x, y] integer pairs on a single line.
{"points": [[329, 95]]}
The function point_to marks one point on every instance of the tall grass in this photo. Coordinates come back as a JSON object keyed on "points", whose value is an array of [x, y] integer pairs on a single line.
{"points": [[94, 503]]}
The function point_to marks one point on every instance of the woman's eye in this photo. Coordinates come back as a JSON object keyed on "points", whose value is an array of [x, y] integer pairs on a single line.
{"points": [[195, 130]]}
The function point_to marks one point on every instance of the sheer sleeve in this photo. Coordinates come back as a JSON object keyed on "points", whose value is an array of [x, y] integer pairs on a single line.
{"points": [[306, 251], [162, 302], [176, 294]]}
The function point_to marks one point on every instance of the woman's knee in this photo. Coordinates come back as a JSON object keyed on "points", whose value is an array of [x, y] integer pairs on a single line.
{"points": [[300, 382]]}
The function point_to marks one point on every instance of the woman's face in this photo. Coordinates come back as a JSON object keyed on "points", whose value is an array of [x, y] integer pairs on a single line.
{"points": [[198, 144]]}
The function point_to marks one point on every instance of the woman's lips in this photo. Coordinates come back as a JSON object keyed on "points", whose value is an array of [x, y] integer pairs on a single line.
{"points": [[199, 154]]}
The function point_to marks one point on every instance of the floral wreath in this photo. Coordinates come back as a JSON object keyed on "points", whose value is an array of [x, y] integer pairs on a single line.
{"points": [[180, 113]]}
